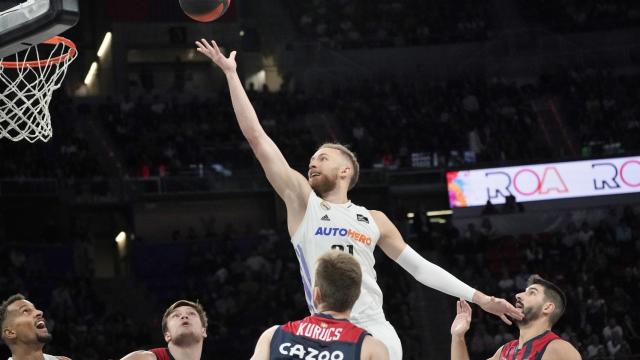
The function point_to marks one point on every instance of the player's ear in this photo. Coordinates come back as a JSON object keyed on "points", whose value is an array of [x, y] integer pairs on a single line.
{"points": [[549, 308], [204, 332], [317, 298], [167, 336], [346, 168], [8, 334]]}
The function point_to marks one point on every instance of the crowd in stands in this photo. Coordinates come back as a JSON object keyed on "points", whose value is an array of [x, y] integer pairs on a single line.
{"points": [[356, 24], [390, 124], [248, 280], [67, 155], [600, 108], [583, 15], [341, 24]]}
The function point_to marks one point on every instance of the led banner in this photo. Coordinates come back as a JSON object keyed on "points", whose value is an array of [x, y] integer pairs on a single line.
{"points": [[544, 181]]}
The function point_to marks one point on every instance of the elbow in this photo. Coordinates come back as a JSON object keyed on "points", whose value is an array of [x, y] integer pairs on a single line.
{"points": [[253, 136]]}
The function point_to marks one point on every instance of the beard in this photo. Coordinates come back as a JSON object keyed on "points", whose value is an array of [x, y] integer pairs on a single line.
{"points": [[323, 184], [44, 339], [531, 313]]}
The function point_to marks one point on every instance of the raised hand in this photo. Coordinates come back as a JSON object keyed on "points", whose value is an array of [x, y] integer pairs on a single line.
{"points": [[501, 308], [211, 50], [462, 322]]}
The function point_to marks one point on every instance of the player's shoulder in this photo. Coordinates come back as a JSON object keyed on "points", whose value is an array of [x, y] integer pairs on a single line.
{"points": [[380, 218], [561, 349], [496, 356], [270, 331], [373, 348], [377, 214], [140, 355]]}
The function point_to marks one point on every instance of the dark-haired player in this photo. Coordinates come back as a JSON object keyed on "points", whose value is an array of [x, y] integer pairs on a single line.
{"points": [[24, 329], [543, 303]]}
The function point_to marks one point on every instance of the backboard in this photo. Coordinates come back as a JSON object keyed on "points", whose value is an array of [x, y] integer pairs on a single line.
{"points": [[29, 22]]}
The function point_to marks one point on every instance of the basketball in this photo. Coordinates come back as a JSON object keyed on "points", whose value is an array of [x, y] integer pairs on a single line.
{"points": [[204, 10]]}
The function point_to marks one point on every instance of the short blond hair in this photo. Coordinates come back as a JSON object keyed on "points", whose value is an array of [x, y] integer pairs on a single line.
{"points": [[339, 278], [351, 156]]}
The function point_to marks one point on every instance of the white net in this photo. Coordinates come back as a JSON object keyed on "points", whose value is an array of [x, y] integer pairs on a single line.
{"points": [[27, 82]]}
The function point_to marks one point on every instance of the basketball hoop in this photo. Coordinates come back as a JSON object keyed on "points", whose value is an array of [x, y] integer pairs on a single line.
{"points": [[26, 86]]}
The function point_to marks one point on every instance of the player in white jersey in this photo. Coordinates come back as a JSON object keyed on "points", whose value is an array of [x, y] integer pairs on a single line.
{"points": [[24, 329], [320, 217]]}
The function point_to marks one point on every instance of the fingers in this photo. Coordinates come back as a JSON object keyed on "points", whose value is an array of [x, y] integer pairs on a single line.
{"points": [[215, 47], [204, 47], [212, 49], [466, 307], [505, 319], [513, 312], [517, 316]]}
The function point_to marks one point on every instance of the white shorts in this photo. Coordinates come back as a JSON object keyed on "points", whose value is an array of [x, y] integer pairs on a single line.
{"points": [[383, 331]]}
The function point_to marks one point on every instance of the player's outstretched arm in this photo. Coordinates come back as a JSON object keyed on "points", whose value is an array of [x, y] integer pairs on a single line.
{"points": [[292, 187], [459, 328], [373, 349], [433, 276], [262, 351], [140, 355]]}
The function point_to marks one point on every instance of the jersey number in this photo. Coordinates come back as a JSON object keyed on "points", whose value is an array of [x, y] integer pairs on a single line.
{"points": [[341, 248]]}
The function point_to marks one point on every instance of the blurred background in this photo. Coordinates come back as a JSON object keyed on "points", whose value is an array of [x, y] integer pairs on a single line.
{"points": [[148, 193]]}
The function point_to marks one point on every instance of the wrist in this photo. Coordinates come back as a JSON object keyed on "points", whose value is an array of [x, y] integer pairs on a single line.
{"points": [[458, 338], [230, 73], [479, 298]]}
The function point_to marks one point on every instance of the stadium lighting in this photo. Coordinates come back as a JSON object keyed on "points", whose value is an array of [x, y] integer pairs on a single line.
{"points": [[91, 74], [410, 215], [438, 221], [439, 212], [106, 44], [121, 237]]}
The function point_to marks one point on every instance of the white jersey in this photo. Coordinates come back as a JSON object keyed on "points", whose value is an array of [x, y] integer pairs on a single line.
{"points": [[46, 357], [345, 227]]}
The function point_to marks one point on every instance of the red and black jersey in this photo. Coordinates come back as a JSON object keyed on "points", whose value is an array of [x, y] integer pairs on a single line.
{"points": [[318, 336], [530, 350], [162, 354]]}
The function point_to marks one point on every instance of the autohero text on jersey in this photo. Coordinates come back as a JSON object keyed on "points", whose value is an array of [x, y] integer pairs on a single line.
{"points": [[328, 231]]}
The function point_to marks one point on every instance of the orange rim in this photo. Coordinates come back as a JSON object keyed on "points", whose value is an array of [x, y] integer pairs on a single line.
{"points": [[40, 63]]}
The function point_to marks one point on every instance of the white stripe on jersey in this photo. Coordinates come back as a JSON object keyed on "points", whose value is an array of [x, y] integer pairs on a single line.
{"points": [[346, 227]]}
